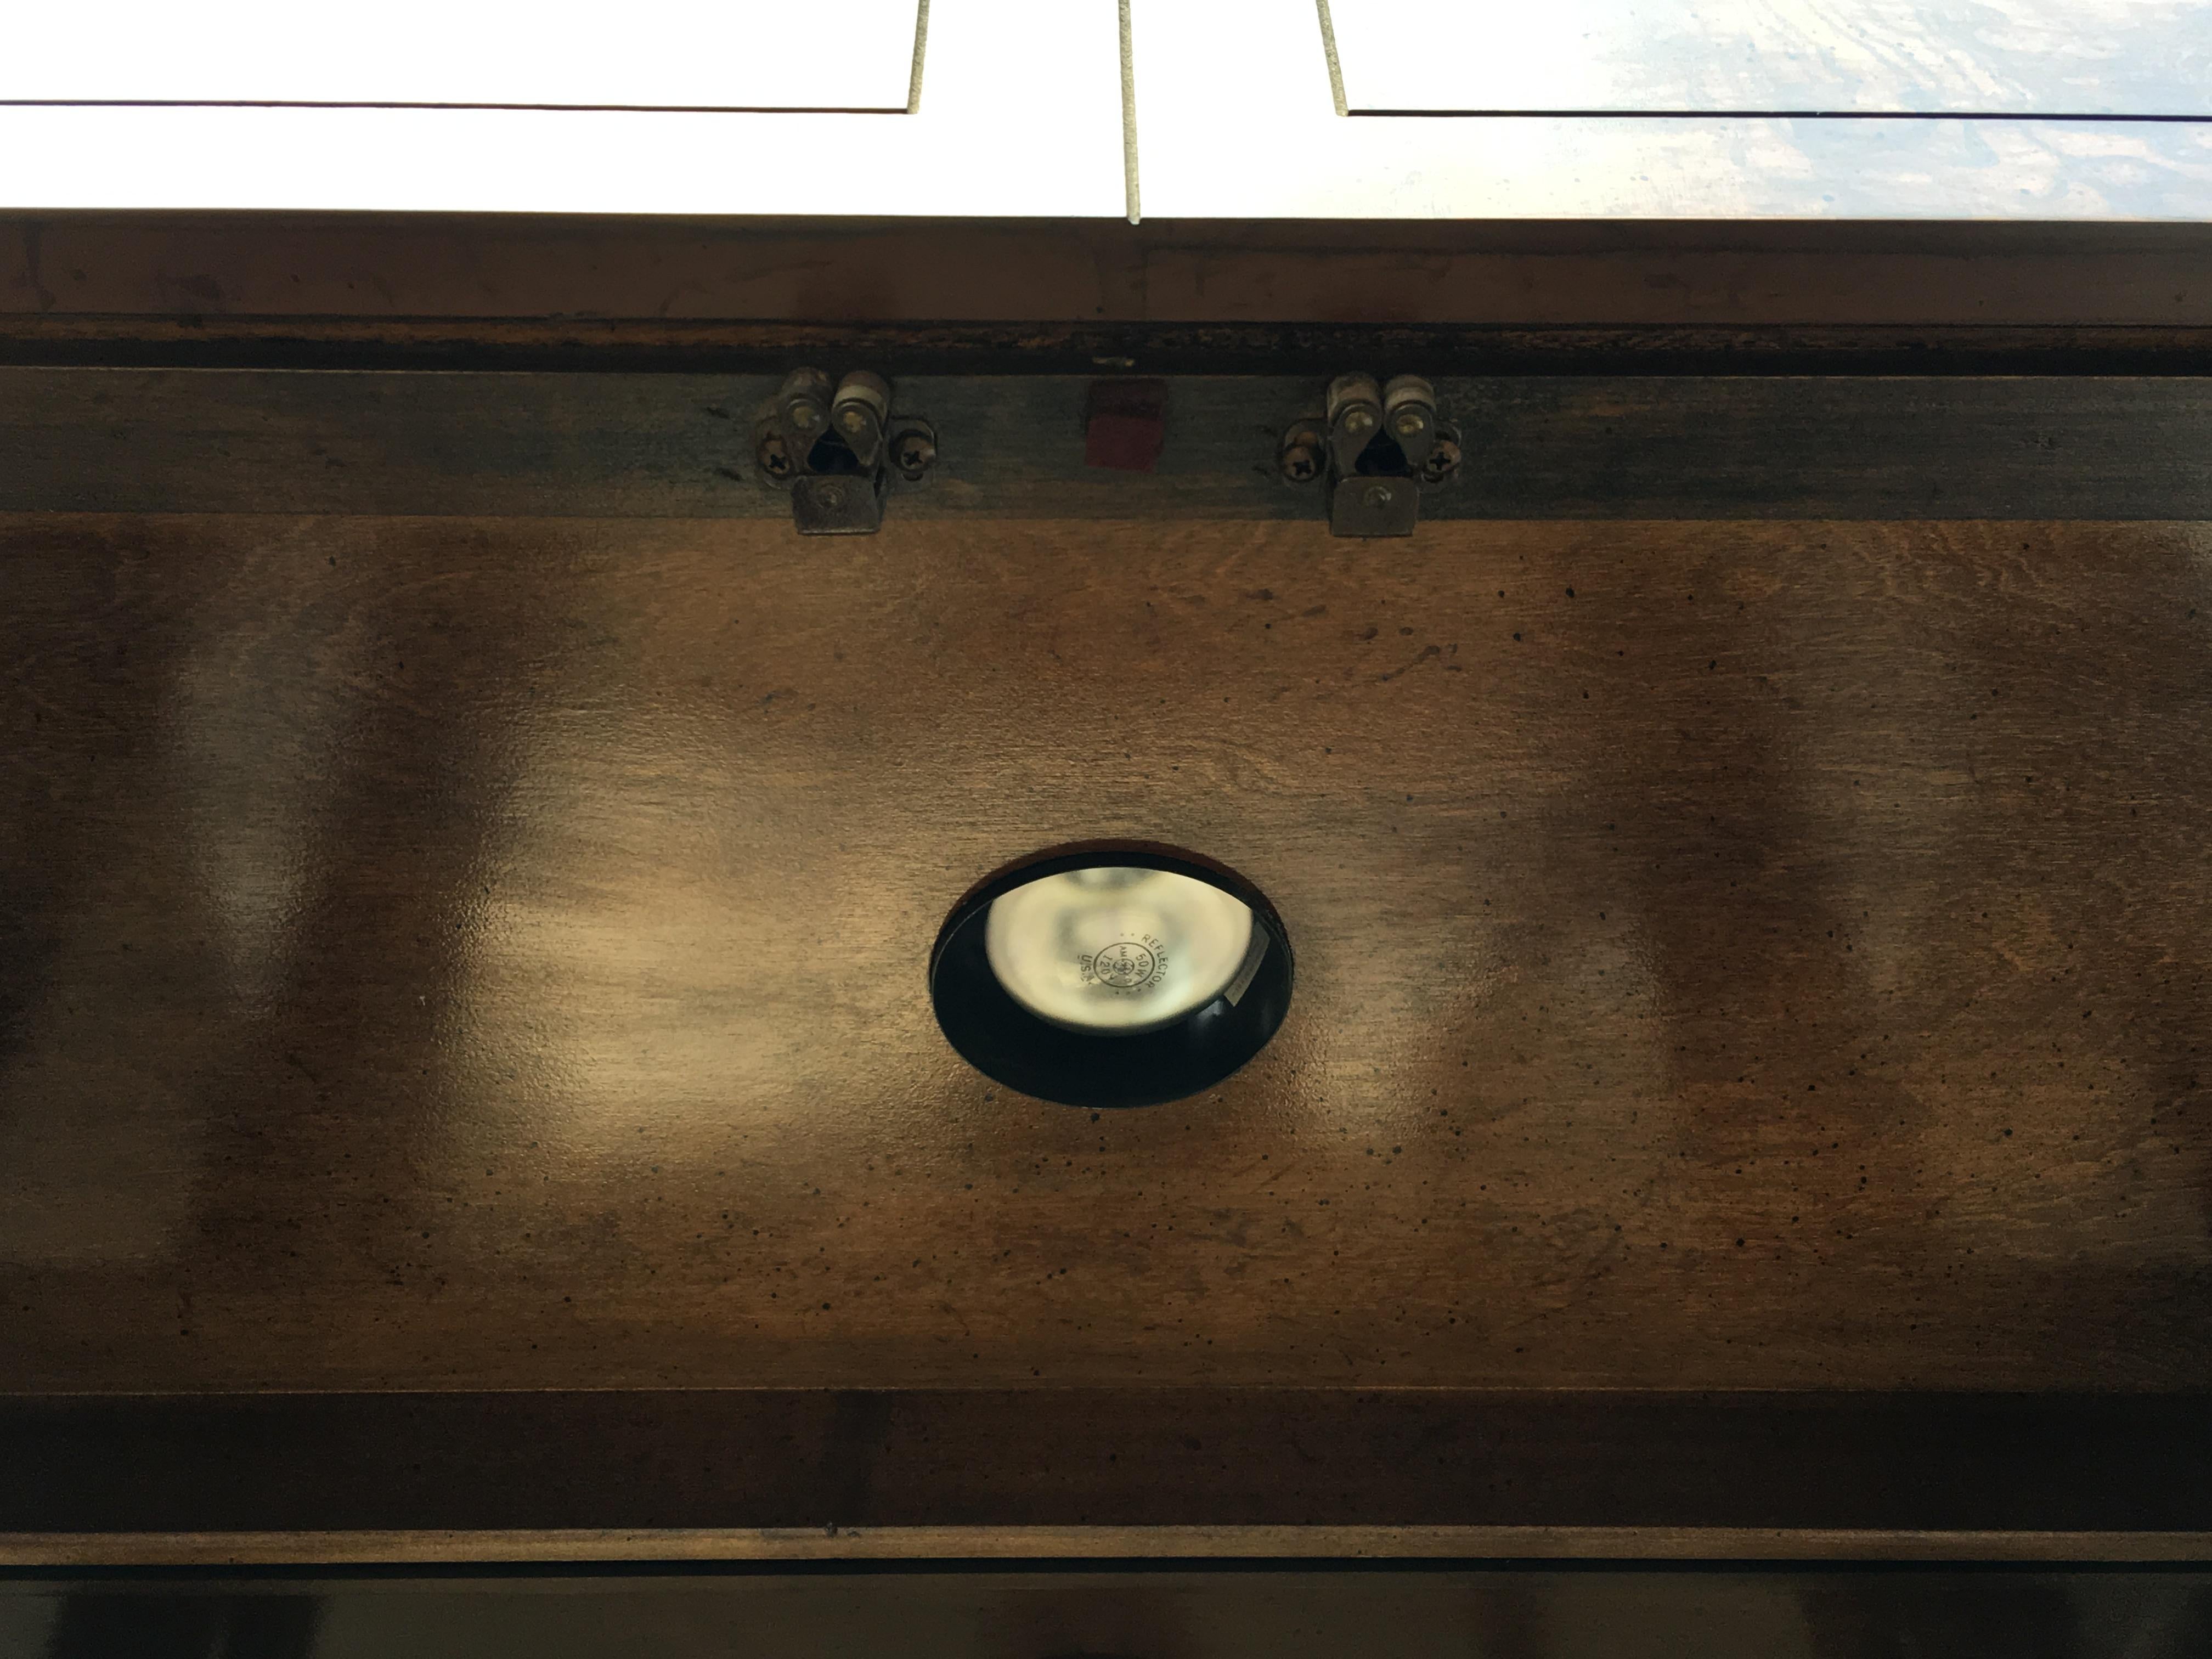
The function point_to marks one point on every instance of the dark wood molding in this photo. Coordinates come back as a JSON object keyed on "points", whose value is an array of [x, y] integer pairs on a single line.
{"points": [[970, 1548], [1623, 274], [1111, 1458], [1702, 446], [642, 346]]}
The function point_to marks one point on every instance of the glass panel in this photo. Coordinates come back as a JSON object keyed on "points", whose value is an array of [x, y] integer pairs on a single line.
{"points": [[2022, 57], [647, 54]]}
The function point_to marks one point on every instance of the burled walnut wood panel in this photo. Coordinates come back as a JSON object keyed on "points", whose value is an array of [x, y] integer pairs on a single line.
{"points": [[482, 954]]}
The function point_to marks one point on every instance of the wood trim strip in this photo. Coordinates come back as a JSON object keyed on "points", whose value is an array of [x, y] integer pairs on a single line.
{"points": [[217, 268], [632, 345], [737, 1462], [678, 446], [983, 1544]]}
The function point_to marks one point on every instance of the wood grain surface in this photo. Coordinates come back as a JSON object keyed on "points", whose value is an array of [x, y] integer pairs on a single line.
{"points": [[480, 955]]}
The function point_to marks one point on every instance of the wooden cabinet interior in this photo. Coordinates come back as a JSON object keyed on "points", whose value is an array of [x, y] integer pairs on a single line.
{"points": [[467, 1088]]}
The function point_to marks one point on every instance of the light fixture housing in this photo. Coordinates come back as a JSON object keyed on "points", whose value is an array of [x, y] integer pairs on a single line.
{"points": [[1111, 974]]}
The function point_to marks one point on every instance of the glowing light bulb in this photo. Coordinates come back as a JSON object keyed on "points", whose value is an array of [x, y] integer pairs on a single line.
{"points": [[1121, 977], [1117, 949]]}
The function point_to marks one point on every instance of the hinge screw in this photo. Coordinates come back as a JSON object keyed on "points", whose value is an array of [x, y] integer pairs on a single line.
{"points": [[914, 450], [1444, 457], [1302, 452]]}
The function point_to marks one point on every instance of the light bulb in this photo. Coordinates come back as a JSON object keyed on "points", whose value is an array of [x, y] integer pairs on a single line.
{"points": [[1119, 976], [1117, 949]]}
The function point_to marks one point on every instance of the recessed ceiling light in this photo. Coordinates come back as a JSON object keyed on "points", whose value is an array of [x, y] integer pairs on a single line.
{"points": [[1111, 976]]}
